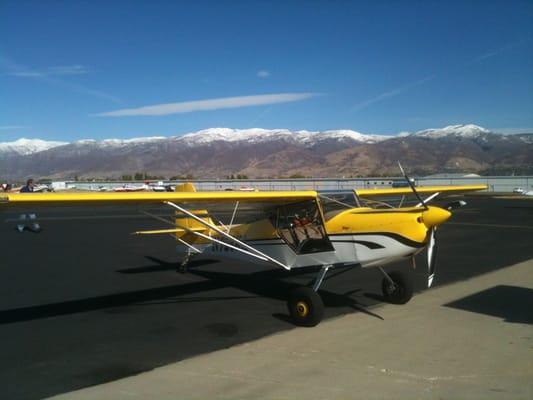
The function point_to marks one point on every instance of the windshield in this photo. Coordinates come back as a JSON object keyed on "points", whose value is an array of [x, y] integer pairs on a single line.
{"points": [[336, 201]]}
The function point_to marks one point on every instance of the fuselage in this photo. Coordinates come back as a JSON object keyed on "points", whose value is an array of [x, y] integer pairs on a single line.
{"points": [[361, 236]]}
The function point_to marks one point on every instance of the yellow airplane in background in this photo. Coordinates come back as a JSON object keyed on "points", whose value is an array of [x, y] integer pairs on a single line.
{"points": [[290, 230]]}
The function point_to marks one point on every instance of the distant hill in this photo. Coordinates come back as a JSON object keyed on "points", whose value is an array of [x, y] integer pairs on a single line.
{"points": [[219, 152]]}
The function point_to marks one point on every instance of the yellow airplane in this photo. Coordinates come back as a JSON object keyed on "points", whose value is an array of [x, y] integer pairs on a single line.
{"points": [[290, 230]]}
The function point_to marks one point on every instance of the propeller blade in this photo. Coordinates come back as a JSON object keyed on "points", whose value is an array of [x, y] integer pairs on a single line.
{"points": [[428, 199], [431, 256], [412, 186]]}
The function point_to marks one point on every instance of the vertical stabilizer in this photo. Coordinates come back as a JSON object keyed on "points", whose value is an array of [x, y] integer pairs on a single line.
{"points": [[189, 223], [185, 187]]}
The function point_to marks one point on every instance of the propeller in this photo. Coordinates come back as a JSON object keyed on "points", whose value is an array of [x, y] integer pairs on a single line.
{"points": [[412, 186], [431, 247], [432, 255]]}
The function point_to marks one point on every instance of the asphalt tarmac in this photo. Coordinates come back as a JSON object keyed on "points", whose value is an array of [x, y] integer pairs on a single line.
{"points": [[84, 302]]}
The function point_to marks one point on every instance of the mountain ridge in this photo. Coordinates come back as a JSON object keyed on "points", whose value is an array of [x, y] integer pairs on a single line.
{"points": [[29, 146], [219, 152]]}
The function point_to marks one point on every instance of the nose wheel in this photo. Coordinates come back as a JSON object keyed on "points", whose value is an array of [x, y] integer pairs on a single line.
{"points": [[305, 307], [397, 287]]}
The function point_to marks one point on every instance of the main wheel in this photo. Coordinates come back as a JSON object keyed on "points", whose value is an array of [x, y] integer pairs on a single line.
{"points": [[305, 306], [402, 290]]}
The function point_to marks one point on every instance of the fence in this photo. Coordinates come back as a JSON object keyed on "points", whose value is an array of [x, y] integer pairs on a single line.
{"points": [[494, 183]]}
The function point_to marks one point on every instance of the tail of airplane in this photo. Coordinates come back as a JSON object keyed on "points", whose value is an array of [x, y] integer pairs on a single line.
{"points": [[187, 228], [185, 187], [189, 223]]}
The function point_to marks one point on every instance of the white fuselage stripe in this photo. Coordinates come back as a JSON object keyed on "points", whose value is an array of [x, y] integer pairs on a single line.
{"points": [[366, 250]]}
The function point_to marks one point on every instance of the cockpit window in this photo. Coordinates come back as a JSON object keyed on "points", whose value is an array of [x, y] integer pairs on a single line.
{"points": [[301, 226]]}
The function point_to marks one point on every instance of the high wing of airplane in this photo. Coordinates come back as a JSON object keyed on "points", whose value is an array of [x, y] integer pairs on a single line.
{"points": [[289, 230]]}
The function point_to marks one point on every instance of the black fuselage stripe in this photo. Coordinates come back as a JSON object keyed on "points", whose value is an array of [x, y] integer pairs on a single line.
{"points": [[395, 236], [370, 245]]}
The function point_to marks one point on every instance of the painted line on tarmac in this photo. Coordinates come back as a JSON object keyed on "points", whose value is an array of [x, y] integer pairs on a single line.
{"points": [[514, 197]]}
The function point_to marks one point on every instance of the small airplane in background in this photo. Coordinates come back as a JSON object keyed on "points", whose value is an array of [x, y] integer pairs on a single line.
{"points": [[160, 186], [42, 188], [523, 191], [242, 189], [147, 186], [131, 188], [291, 230]]}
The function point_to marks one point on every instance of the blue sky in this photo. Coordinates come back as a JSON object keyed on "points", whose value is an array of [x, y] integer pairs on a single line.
{"points": [[70, 69]]}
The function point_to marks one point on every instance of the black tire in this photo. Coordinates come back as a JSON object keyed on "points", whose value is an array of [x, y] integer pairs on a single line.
{"points": [[402, 291], [305, 306]]}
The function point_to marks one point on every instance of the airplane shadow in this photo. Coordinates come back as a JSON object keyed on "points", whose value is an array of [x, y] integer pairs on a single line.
{"points": [[268, 283], [101, 302], [511, 303], [161, 265], [377, 297]]}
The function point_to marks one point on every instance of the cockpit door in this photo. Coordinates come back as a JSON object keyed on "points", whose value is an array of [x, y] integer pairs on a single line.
{"points": [[301, 226]]}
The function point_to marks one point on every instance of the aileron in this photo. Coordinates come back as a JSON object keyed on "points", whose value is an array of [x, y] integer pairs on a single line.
{"points": [[420, 189]]}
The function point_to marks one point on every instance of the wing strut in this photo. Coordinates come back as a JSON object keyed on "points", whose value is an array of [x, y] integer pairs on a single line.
{"points": [[233, 216], [190, 246], [251, 249]]}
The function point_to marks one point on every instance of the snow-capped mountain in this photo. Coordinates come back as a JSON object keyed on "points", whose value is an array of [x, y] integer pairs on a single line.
{"points": [[218, 152], [249, 136], [203, 137], [257, 135], [463, 131], [120, 142], [28, 146], [346, 134]]}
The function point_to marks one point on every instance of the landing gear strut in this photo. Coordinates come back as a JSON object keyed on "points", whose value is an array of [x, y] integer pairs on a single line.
{"points": [[397, 287], [182, 268], [306, 307]]}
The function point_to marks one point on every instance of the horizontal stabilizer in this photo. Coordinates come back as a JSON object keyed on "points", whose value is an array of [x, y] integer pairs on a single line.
{"points": [[172, 230]]}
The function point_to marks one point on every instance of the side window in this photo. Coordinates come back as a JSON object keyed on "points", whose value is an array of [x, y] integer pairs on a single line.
{"points": [[300, 225]]}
